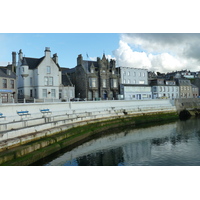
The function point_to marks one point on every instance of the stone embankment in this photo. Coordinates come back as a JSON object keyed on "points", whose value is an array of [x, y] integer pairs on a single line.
{"points": [[188, 107], [64, 124]]}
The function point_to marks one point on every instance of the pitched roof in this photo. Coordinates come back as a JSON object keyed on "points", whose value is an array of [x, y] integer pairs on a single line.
{"points": [[3, 73], [66, 80], [32, 62]]}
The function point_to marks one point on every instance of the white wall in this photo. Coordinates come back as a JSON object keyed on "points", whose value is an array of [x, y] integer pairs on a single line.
{"points": [[10, 110]]}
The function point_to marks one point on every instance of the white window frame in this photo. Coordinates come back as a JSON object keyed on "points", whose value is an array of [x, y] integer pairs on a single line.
{"points": [[104, 83], [51, 81], [44, 93], [48, 70], [53, 93]]}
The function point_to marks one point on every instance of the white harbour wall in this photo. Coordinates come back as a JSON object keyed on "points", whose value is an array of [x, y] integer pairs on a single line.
{"points": [[65, 115]]}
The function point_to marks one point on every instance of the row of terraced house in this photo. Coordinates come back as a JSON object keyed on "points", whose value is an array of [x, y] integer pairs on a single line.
{"points": [[43, 79]]}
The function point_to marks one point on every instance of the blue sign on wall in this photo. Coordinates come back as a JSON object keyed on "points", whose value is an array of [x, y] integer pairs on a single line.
{"points": [[6, 91]]}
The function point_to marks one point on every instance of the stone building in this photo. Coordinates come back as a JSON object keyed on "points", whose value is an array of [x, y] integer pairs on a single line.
{"points": [[195, 91], [185, 88], [8, 88], [95, 80], [41, 78]]}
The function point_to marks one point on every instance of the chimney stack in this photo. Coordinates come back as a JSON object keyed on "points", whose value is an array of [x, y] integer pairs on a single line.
{"points": [[13, 61], [47, 51], [55, 58]]}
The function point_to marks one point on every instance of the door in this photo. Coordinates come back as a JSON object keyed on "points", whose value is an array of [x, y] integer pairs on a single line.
{"points": [[105, 95]]}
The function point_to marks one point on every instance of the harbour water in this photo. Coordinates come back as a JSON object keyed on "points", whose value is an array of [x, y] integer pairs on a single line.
{"points": [[172, 144]]}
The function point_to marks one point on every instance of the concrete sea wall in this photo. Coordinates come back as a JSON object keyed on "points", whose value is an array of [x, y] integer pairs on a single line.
{"points": [[17, 131]]}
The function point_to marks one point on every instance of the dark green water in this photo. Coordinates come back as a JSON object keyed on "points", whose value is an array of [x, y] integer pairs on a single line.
{"points": [[173, 144]]}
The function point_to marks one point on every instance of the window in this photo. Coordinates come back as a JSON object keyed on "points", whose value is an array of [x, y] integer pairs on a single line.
{"points": [[35, 93], [143, 74], [4, 98], [104, 83], [31, 93], [48, 70], [4, 83], [50, 80], [141, 82], [134, 74], [31, 81], [114, 83], [45, 80], [128, 81], [128, 73], [12, 84], [44, 93], [93, 82], [8, 72], [53, 93]]}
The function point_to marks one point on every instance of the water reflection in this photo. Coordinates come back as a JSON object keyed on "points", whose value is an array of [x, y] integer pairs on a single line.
{"points": [[173, 144]]}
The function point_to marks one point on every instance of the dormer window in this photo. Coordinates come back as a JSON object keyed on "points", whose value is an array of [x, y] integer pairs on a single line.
{"points": [[92, 70], [8, 72]]}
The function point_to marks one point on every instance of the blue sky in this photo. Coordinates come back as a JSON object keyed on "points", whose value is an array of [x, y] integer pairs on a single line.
{"points": [[67, 45], [163, 52]]}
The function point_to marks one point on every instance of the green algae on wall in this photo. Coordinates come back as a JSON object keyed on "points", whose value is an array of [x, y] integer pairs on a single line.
{"points": [[31, 152]]}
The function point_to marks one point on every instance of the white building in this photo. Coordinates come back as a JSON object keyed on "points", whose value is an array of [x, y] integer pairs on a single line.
{"points": [[133, 76], [166, 89], [134, 83], [39, 78]]}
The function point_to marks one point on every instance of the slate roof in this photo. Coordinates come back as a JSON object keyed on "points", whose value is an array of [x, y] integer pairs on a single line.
{"points": [[87, 64], [68, 70], [66, 80], [32, 62], [3, 73]]}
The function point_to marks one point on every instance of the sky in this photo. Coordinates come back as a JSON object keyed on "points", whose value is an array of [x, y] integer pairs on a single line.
{"points": [[159, 52]]}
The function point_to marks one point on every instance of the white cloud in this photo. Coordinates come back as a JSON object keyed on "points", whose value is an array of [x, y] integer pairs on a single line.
{"points": [[109, 57], [93, 58], [125, 56], [159, 52]]}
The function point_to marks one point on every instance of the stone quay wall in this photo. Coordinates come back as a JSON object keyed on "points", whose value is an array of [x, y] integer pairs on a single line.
{"points": [[16, 130]]}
